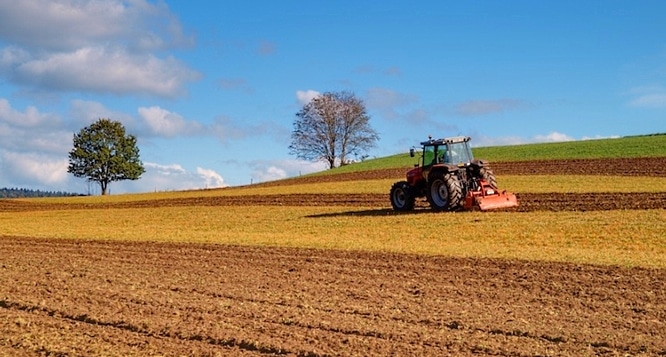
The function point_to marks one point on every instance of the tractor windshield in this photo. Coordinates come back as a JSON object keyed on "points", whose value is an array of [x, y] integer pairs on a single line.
{"points": [[459, 153]]}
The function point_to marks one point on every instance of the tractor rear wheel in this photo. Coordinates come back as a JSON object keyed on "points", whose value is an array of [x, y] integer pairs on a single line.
{"points": [[445, 192], [488, 175], [402, 196]]}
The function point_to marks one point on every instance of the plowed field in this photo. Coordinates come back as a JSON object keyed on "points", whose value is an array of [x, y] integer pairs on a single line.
{"points": [[88, 298], [64, 298], [528, 202]]}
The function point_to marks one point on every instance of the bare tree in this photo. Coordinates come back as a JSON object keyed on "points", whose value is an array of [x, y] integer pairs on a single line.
{"points": [[332, 127]]}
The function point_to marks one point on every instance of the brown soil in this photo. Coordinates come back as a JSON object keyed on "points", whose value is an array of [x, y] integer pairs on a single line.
{"points": [[76, 298], [528, 201], [84, 298], [380, 202], [649, 166]]}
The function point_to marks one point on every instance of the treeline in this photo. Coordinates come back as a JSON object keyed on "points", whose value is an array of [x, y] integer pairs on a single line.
{"points": [[25, 193], [637, 136]]}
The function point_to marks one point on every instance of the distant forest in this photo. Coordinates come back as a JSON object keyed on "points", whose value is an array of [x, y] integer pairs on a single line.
{"points": [[24, 193]]}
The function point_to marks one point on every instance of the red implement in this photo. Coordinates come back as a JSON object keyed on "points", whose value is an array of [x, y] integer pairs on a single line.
{"points": [[489, 198]]}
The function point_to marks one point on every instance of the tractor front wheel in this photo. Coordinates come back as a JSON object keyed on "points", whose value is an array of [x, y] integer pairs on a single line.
{"points": [[445, 193], [402, 196]]}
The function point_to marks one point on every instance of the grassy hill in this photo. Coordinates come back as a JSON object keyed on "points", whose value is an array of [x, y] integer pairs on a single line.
{"points": [[625, 147]]}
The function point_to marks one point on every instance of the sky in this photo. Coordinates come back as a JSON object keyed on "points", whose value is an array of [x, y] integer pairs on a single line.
{"points": [[211, 88]]}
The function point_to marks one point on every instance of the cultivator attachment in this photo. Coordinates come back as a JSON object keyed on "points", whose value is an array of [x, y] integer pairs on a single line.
{"points": [[489, 198]]}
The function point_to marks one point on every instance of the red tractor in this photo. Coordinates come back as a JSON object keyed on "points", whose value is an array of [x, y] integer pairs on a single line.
{"points": [[451, 179]]}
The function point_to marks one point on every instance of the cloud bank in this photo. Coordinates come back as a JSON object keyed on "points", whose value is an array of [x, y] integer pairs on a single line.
{"points": [[98, 46]]}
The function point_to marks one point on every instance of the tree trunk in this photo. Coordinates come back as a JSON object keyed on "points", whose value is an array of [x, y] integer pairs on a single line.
{"points": [[103, 185]]}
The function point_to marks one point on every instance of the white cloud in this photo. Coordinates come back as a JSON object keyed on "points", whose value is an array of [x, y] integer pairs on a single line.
{"points": [[83, 113], [34, 168], [160, 178], [279, 169], [74, 24], [212, 178], [103, 69], [12, 56], [270, 173], [655, 100], [70, 57], [162, 122], [31, 130], [482, 140], [157, 121], [29, 119], [596, 137], [648, 97], [304, 97], [165, 170], [172, 177], [553, 137]]}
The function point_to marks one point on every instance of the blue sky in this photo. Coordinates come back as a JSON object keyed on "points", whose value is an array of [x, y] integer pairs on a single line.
{"points": [[211, 88]]}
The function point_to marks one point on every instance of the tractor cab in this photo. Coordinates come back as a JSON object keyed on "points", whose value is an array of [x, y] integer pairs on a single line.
{"points": [[451, 151]]}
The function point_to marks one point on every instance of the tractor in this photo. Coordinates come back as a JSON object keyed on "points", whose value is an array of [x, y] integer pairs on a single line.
{"points": [[451, 179]]}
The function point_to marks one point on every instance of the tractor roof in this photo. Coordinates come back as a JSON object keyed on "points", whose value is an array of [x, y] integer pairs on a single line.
{"points": [[451, 140]]}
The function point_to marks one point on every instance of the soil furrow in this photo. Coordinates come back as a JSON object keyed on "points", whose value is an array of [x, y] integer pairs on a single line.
{"points": [[271, 301], [529, 202]]}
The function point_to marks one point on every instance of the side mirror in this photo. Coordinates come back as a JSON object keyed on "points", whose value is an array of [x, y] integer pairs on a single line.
{"points": [[411, 152]]}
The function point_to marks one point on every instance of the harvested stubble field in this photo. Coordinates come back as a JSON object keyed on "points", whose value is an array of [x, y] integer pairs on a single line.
{"points": [[73, 297]]}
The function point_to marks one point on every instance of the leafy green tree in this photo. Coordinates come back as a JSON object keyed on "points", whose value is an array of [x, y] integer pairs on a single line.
{"points": [[332, 127], [103, 153]]}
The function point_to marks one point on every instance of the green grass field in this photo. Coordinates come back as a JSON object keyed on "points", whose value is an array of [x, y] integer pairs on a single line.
{"points": [[628, 147]]}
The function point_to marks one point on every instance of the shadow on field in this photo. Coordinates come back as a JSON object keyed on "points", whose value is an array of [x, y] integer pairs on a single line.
{"points": [[369, 213]]}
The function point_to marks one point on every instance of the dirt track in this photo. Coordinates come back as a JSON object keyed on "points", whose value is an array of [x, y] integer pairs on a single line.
{"points": [[64, 298]]}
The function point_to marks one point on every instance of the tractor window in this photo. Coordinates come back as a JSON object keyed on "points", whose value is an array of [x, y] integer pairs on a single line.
{"points": [[460, 153], [442, 154], [429, 155]]}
